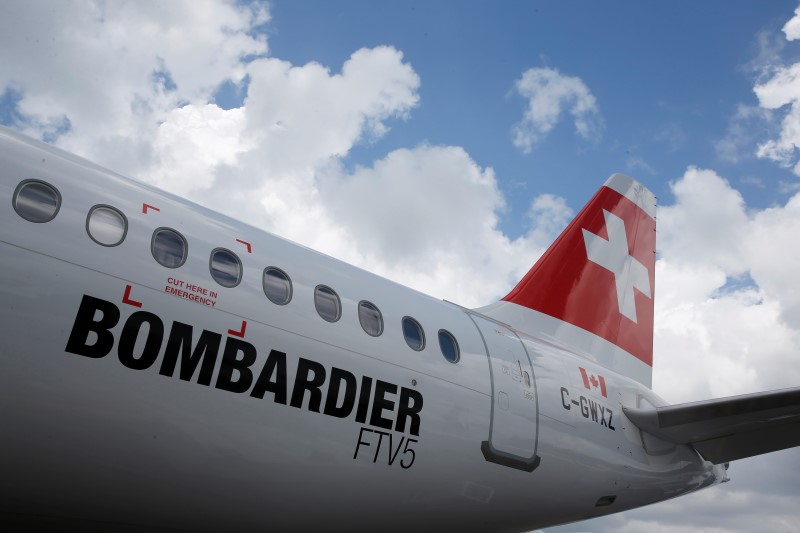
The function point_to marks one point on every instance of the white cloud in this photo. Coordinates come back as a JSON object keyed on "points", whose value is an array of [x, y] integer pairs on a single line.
{"points": [[780, 90], [792, 28], [774, 260], [705, 225], [549, 215], [301, 116], [550, 93], [191, 142], [732, 336], [113, 71]]}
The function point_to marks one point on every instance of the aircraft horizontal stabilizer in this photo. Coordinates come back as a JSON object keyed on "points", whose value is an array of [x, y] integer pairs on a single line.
{"points": [[727, 429]]}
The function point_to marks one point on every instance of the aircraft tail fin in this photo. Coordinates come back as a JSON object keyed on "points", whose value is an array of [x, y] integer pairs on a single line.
{"points": [[593, 288]]}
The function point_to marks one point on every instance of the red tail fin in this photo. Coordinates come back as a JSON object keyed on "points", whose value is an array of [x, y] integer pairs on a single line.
{"points": [[599, 275]]}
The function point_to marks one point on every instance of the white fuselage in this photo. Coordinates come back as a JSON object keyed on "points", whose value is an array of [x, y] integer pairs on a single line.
{"points": [[128, 438]]}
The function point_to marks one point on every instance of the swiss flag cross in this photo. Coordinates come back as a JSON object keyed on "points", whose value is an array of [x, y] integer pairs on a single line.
{"points": [[593, 383], [599, 275]]}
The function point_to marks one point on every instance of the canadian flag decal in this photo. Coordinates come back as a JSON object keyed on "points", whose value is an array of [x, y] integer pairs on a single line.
{"points": [[593, 383]]}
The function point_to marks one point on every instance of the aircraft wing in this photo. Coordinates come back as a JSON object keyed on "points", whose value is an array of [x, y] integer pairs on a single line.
{"points": [[730, 428]]}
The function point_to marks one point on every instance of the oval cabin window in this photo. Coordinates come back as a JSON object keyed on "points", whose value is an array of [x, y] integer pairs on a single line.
{"points": [[277, 286], [106, 225], [36, 201], [449, 346], [327, 303], [226, 269], [370, 318], [169, 248], [412, 331]]}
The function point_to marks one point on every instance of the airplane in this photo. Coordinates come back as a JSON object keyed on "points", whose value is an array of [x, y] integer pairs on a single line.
{"points": [[168, 368]]}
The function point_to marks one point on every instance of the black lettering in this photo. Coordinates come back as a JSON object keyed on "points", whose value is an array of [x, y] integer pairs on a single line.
{"points": [[565, 398], [584, 408], [593, 410], [276, 364], [363, 399], [303, 383], [360, 442], [180, 341], [393, 456], [152, 344], [85, 324], [380, 441], [379, 403], [231, 362], [610, 415], [337, 377], [603, 416], [408, 410], [408, 450]]}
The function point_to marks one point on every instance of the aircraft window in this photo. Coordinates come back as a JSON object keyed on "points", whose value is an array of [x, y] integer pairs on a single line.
{"points": [[370, 318], [226, 269], [106, 225], [36, 201], [412, 331], [277, 286], [449, 346], [169, 248], [327, 303]]}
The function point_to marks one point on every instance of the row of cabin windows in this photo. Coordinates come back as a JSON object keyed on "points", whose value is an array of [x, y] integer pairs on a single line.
{"points": [[39, 202]]}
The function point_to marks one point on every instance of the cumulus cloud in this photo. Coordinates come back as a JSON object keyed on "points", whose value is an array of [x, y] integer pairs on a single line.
{"points": [[99, 77], [549, 94], [191, 142], [731, 335], [706, 224], [792, 28], [304, 115], [782, 90]]}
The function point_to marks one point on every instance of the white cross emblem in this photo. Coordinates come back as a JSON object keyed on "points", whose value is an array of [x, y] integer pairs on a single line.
{"points": [[613, 255]]}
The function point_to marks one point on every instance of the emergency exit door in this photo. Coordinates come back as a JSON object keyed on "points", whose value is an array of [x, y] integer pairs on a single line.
{"points": [[513, 431]]}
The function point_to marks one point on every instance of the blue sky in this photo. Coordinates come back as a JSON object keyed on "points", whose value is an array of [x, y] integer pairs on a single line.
{"points": [[445, 144], [668, 79]]}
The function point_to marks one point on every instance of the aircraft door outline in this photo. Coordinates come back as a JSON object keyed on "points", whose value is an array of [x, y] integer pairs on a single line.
{"points": [[514, 424]]}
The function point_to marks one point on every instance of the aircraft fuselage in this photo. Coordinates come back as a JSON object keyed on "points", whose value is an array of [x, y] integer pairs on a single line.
{"points": [[150, 397]]}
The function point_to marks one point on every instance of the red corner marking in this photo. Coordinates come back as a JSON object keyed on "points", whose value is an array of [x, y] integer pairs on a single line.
{"points": [[145, 207], [239, 333], [249, 248], [126, 298]]}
